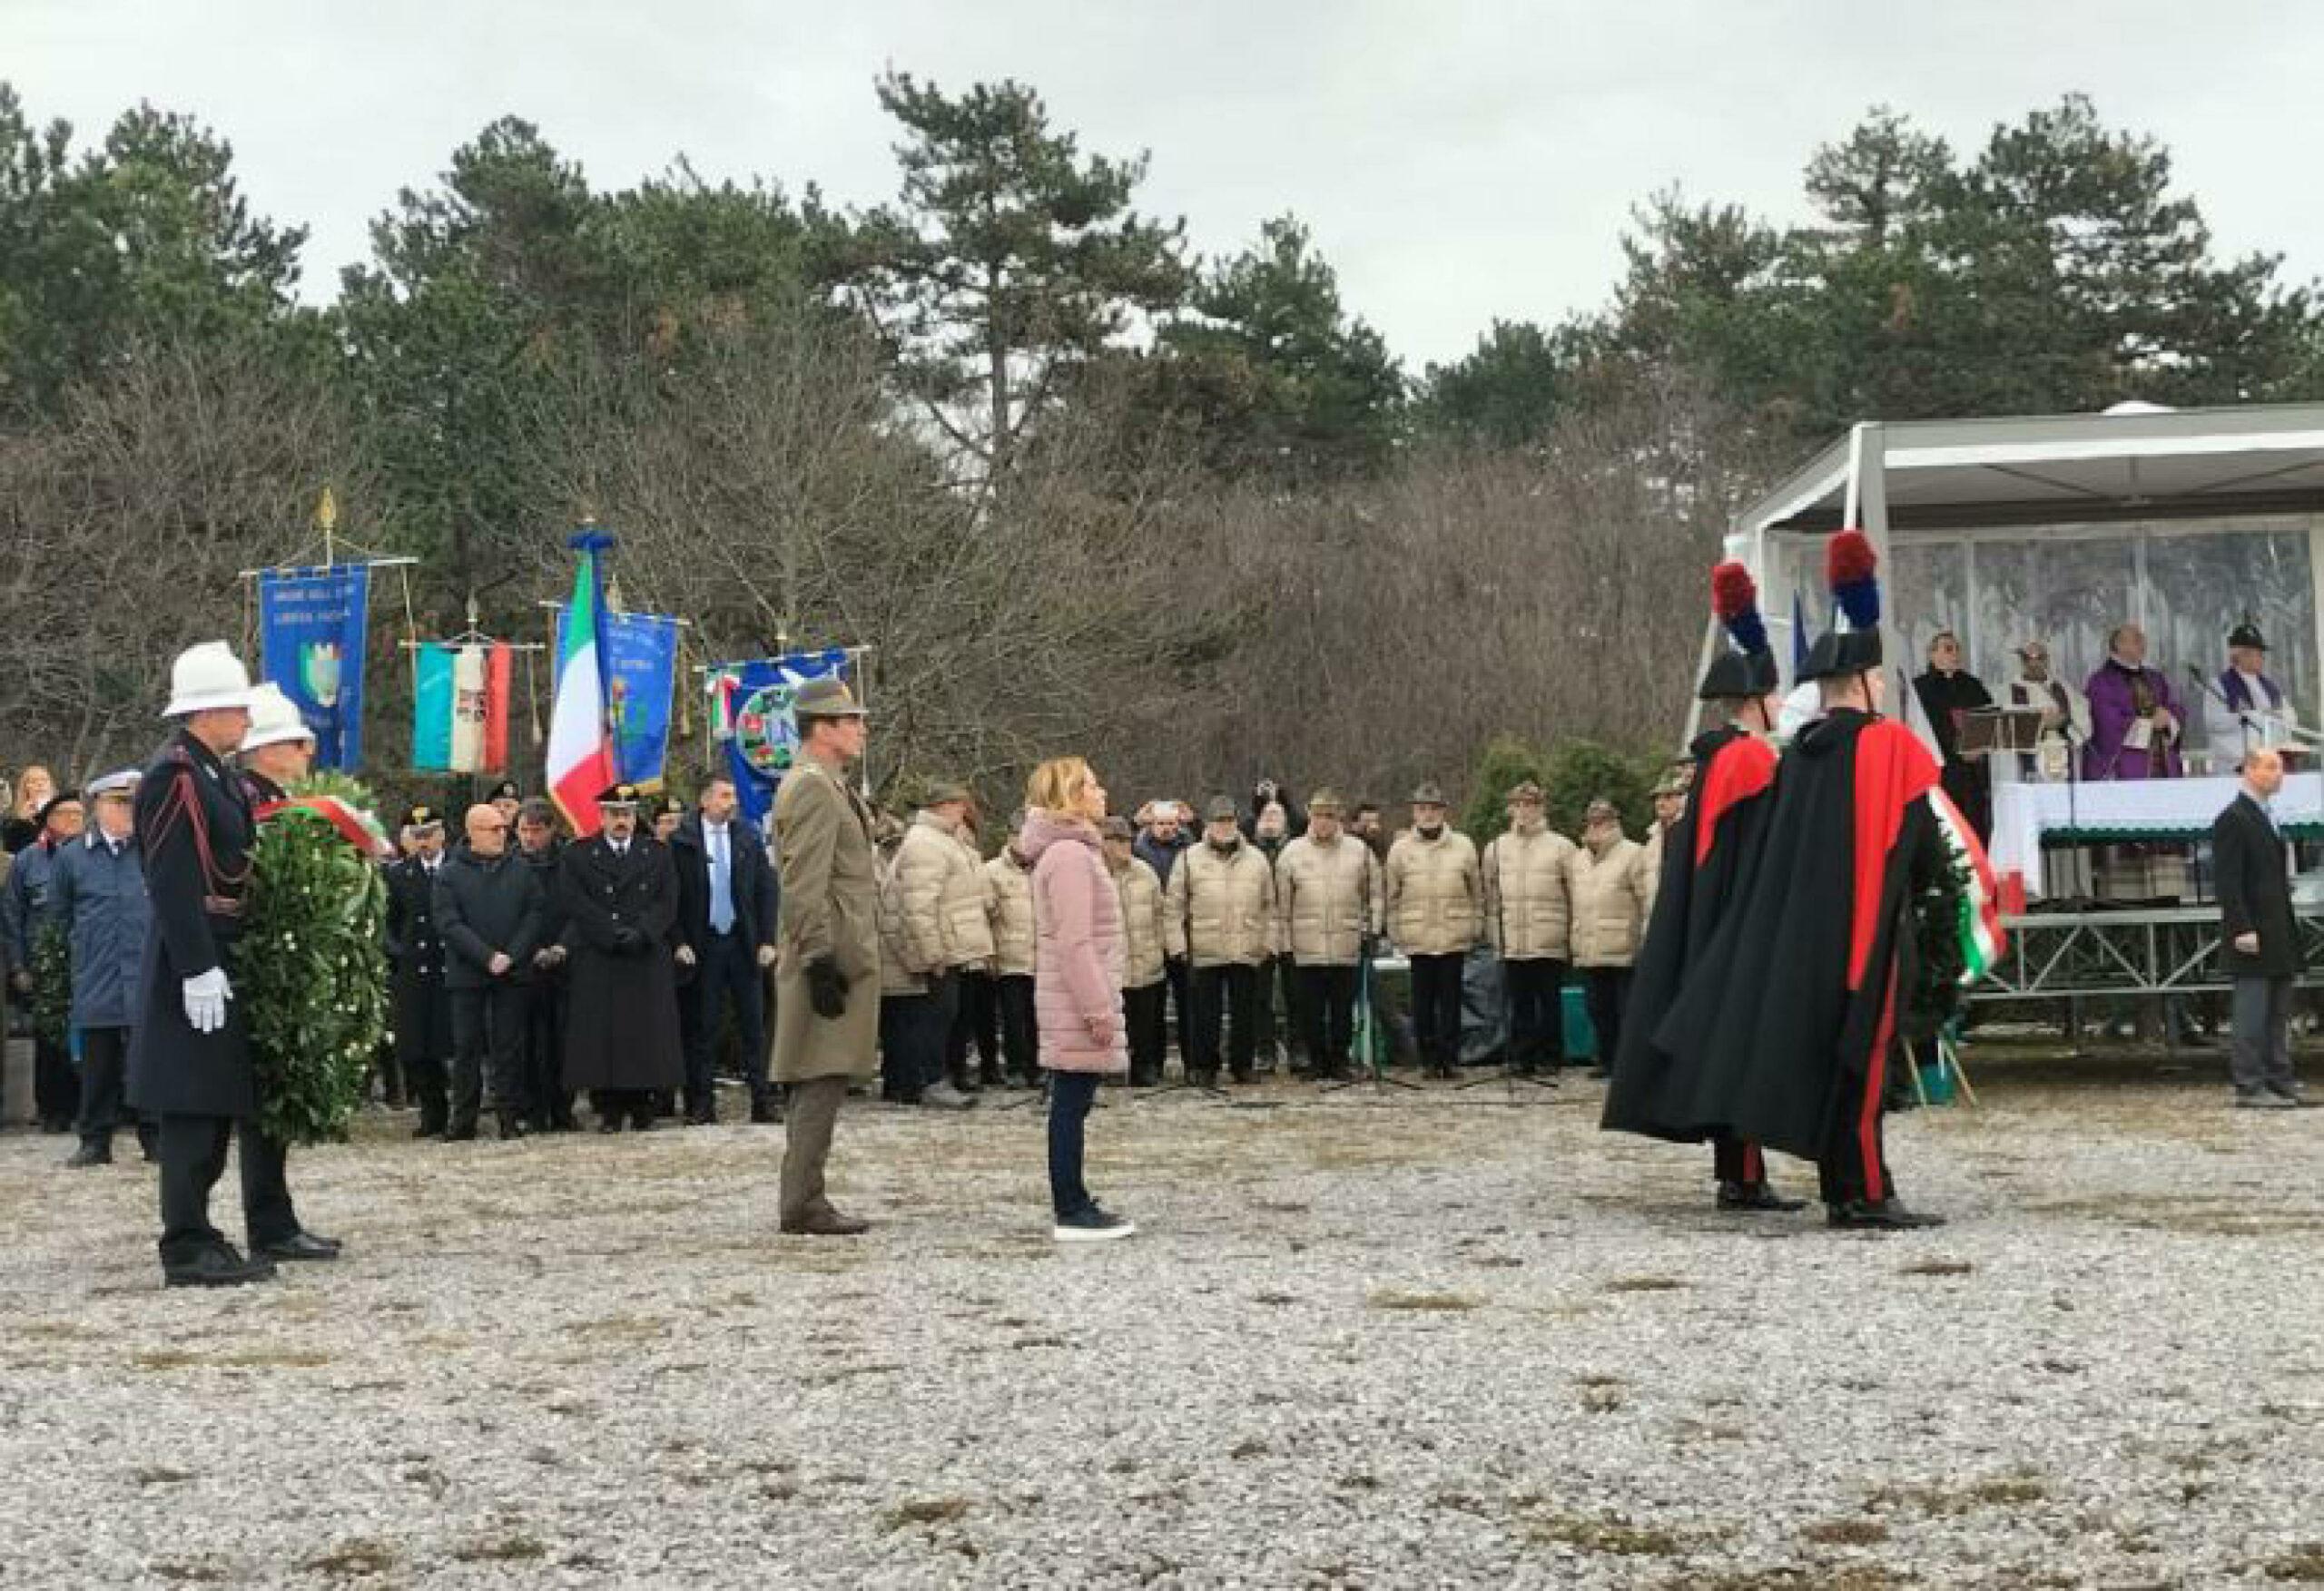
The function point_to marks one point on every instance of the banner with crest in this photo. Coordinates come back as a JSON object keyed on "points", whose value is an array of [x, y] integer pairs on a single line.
{"points": [[311, 628], [750, 715]]}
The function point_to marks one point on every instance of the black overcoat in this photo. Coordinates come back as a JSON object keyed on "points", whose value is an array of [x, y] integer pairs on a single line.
{"points": [[620, 912], [194, 825], [2249, 858]]}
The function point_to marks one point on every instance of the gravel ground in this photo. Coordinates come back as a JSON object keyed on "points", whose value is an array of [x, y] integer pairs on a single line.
{"points": [[1402, 1341]]}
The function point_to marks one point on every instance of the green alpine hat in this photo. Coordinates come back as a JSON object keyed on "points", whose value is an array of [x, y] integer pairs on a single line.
{"points": [[824, 698]]}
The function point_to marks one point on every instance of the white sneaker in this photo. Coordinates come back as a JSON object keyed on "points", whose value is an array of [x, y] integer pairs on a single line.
{"points": [[1093, 1226]]}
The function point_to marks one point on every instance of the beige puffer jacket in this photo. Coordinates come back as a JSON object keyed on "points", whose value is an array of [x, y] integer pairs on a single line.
{"points": [[1610, 901], [940, 896], [1222, 906], [1437, 895], [1009, 899], [1145, 925], [1529, 906], [1328, 898], [1651, 865], [895, 977]]}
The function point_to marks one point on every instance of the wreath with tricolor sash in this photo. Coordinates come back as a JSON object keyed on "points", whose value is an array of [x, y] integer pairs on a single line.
{"points": [[309, 972]]}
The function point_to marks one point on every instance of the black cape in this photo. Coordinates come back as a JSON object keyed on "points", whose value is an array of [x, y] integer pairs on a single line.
{"points": [[1649, 1093], [1800, 986]]}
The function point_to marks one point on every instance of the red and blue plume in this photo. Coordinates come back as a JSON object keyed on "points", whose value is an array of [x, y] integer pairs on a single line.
{"points": [[1851, 569], [1735, 598]]}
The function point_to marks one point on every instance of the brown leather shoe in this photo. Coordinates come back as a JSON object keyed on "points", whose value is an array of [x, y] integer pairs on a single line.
{"points": [[826, 1222]]}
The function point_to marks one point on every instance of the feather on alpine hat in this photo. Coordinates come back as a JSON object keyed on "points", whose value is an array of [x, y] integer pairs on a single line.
{"points": [[1852, 646]]}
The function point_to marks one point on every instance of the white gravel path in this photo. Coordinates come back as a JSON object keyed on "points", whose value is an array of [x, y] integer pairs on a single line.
{"points": [[1423, 1341]]}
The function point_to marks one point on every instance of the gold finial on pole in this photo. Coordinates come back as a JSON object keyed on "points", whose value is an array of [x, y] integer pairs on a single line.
{"points": [[326, 521]]}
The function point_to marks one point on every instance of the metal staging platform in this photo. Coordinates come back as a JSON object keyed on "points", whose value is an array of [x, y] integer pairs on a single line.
{"points": [[2061, 954]]}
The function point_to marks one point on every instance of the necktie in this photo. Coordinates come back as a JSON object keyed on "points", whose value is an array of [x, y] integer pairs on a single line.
{"points": [[721, 882]]}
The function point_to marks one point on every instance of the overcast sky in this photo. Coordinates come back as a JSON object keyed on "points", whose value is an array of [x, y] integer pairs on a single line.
{"points": [[1457, 161]]}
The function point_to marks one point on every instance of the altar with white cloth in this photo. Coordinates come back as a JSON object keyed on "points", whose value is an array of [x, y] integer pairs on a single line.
{"points": [[2127, 812]]}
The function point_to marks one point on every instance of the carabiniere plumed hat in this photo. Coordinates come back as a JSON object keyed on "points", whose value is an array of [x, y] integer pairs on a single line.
{"points": [[1851, 570], [1745, 666]]}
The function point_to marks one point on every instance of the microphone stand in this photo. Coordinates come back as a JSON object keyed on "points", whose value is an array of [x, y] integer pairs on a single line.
{"points": [[2243, 716]]}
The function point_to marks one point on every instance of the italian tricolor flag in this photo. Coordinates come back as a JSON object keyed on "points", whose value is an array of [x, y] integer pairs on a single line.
{"points": [[580, 746], [1981, 934]]}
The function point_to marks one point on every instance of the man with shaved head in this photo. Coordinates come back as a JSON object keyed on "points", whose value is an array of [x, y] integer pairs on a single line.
{"points": [[2259, 940], [488, 909]]}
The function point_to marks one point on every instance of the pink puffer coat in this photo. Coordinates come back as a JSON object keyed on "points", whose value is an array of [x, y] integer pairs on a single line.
{"points": [[1079, 950]]}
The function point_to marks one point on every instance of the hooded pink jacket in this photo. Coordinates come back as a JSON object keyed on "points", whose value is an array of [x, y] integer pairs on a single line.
{"points": [[1077, 955]]}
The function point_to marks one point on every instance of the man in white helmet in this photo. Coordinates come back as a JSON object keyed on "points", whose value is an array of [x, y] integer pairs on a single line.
{"points": [[189, 1058]]}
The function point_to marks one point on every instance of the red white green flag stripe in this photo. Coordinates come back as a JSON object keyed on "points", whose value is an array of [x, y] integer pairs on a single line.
{"points": [[580, 744], [1982, 940]]}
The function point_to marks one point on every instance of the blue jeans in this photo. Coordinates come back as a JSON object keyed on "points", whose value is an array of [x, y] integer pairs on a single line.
{"points": [[1070, 1095]]}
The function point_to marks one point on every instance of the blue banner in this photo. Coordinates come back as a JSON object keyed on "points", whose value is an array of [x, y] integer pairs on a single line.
{"points": [[750, 714], [311, 624], [641, 668]]}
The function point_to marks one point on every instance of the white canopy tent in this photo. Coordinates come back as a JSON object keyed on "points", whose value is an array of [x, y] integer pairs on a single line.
{"points": [[2064, 527]]}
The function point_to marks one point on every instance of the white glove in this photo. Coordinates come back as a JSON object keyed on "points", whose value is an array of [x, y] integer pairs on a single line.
{"points": [[205, 1000]]}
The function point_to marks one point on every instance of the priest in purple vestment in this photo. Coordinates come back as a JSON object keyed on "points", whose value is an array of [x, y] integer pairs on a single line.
{"points": [[2134, 723]]}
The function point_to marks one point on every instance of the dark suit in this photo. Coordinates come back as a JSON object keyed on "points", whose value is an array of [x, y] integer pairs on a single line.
{"points": [[487, 906], [195, 826], [621, 1039], [423, 1009], [2249, 859], [726, 972]]}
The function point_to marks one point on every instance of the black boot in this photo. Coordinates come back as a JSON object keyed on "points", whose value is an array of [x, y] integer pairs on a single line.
{"points": [[92, 1152], [1756, 1196], [1879, 1215]]}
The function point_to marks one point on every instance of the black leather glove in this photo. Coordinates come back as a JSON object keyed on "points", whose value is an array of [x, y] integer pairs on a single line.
{"points": [[827, 988]]}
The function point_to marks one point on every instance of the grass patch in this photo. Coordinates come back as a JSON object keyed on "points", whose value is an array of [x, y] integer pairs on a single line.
{"points": [[1275, 1299], [2302, 1566], [622, 1327], [1999, 1491], [1391, 1297], [1846, 1577], [2009, 1490], [1646, 1285], [1614, 1537], [1846, 1532], [1248, 1447], [925, 1511], [178, 1358], [357, 1556], [503, 1549], [161, 1475], [1937, 1268], [189, 1573], [1602, 1400]]}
